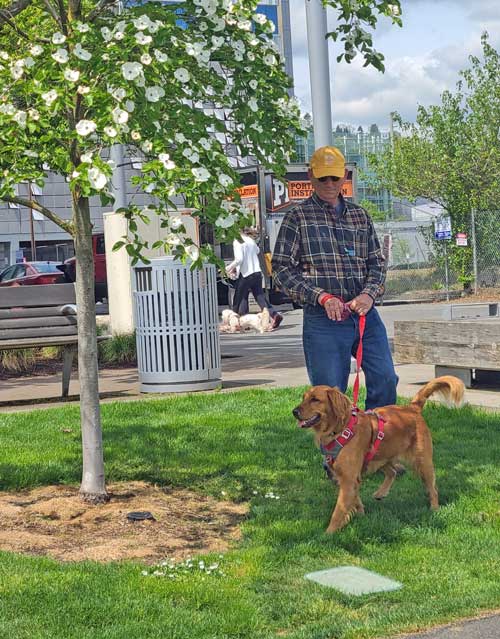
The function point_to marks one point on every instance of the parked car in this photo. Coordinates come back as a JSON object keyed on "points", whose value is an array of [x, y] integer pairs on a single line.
{"points": [[31, 273], [101, 281]]}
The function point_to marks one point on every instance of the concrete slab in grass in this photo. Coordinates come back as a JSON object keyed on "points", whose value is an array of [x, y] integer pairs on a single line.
{"points": [[352, 580]]}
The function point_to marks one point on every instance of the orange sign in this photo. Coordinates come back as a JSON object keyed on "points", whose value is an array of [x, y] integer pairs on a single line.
{"points": [[251, 190], [302, 189]]}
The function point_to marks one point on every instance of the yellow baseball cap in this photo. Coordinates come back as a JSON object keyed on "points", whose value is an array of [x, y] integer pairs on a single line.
{"points": [[327, 160]]}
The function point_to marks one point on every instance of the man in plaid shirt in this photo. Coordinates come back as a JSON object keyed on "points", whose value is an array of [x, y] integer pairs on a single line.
{"points": [[327, 258]]}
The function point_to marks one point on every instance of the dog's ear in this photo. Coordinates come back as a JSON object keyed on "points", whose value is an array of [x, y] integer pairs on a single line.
{"points": [[340, 408]]}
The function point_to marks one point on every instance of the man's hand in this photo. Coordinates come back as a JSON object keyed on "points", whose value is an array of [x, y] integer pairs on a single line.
{"points": [[335, 309], [361, 304]]}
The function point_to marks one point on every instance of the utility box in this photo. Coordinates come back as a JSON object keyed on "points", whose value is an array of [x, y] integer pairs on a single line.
{"points": [[177, 332]]}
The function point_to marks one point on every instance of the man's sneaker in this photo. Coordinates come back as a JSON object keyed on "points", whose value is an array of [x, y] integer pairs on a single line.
{"points": [[277, 319]]}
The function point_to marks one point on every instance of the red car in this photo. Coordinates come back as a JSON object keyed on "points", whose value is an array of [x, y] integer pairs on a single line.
{"points": [[30, 273], [101, 281]]}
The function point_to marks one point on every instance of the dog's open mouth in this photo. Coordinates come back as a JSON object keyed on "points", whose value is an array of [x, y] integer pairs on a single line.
{"points": [[308, 423]]}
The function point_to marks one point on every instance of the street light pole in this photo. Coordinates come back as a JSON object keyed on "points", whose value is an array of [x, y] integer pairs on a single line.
{"points": [[319, 69]]}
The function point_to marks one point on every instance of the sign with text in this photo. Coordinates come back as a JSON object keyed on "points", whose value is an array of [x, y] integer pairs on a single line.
{"points": [[461, 239], [279, 194], [442, 228], [249, 191]]}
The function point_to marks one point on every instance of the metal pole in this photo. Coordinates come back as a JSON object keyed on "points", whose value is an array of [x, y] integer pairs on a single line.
{"points": [[446, 274], [474, 247], [317, 46], [32, 226]]}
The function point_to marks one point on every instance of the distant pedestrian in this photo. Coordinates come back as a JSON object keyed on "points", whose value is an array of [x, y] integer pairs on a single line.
{"points": [[245, 268], [327, 258]]}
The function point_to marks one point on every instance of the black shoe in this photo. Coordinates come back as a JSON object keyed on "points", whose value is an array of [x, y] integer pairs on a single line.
{"points": [[277, 319]]}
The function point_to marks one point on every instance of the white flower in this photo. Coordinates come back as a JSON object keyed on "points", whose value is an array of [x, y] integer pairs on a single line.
{"points": [[131, 70], [150, 187], [203, 26], [173, 239], [49, 97], [251, 56], [75, 174], [204, 143], [180, 138], [194, 254], [135, 135], [160, 56], [246, 25], [225, 222], [110, 131], [29, 62], [83, 90], [34, 114], [30, 154], [85, 127], [238, 56], [394, 9], [71, 75], [106, 34], [146, 58], [81, 53], [252, 103], [269, 59], [86, 157], [140, 81], [61, 56], [119, 35], [97, 179], [253, 84], [5, 56], [182, 74], [259, 18], [81, 27], [225, 180], [147, 146], [154, 94], [175, 222], [140, 38], [117, 92], [129, 105], [119, 115], [200, 174], [217, 42], [218, 24], [58, 38], [166, 161], [17, 69], [142, 23], [20, 117], [191, 155]]}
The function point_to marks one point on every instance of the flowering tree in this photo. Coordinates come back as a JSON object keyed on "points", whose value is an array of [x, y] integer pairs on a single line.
{"points": [[169, 83]]}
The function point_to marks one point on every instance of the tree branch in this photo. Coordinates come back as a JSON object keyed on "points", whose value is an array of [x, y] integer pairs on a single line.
{"points": [[103, 4], [13, 10], [33, 204], [52, 11]]}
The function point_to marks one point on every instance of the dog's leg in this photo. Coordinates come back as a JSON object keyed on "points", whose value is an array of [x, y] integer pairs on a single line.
{"points": [[347, 503], [360, 509], [423, 463], [390, 473]]}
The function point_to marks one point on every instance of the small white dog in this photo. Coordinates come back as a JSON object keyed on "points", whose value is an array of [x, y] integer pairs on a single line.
{"points": [[230, 321], [258, 322]]}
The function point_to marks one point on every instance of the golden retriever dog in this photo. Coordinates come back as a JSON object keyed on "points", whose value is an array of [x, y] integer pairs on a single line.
{"points": [[405, 438]]}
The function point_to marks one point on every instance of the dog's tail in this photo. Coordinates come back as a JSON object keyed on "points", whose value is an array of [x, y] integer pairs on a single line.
{"points": [[450, 388]]}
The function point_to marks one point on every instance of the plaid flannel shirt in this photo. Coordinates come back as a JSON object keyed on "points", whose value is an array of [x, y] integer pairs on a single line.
{"points": [[320, 250]]}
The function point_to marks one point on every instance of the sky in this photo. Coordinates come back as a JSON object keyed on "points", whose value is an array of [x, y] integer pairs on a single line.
{"points": [[422, 59]]}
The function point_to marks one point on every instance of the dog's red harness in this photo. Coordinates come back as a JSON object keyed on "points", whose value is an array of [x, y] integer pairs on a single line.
{"points": [[330, 451]]}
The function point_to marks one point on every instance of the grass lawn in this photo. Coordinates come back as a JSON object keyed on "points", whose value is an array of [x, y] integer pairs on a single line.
{"points": [[238, 443]]}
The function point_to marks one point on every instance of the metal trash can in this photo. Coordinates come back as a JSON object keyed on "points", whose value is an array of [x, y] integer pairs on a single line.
{"points": [[177, 332]]}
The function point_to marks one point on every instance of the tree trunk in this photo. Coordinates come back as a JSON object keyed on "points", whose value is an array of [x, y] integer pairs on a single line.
{"points": [[93, 487]]}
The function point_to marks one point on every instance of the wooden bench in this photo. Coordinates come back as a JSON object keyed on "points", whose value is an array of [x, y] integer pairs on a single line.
{"points": [[39, 316], [462, 347]]}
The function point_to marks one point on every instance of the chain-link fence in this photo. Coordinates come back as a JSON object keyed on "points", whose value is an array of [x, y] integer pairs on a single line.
{"points": [[420, 266]]}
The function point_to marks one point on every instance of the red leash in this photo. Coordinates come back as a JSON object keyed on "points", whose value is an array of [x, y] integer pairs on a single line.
{"points": [[359, 359]]}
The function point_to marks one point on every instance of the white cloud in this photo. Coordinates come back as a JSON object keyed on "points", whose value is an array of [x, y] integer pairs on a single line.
{"points": [[422, 60]]}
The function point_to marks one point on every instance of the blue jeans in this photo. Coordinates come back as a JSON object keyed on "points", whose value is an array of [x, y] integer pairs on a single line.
{"points": [[328, 347]]}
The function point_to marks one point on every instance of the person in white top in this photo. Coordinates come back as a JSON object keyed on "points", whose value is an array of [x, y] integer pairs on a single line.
{"points": [[246, 268]]}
